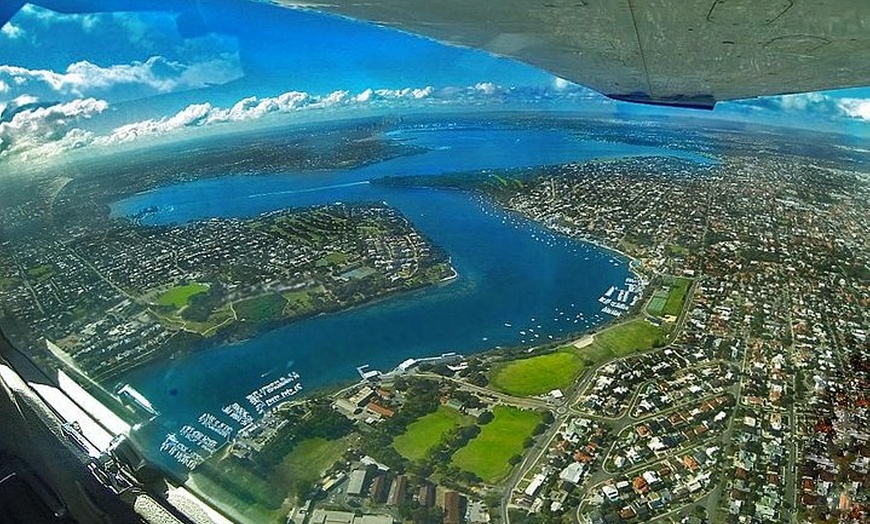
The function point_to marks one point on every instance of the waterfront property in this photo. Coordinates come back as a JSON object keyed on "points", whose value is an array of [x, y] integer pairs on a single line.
{"points": [[624, 339], [539, 374]]}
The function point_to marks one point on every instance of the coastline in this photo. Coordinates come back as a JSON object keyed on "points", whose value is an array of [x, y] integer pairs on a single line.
{"points": [[230, 335]]}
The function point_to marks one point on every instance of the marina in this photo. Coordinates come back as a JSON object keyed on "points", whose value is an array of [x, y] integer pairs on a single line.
{"points": [[209, 433], [180, 452], [626, 297]]}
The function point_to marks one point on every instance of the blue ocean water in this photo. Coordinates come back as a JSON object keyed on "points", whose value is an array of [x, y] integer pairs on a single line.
{"points": [[518, 283]]}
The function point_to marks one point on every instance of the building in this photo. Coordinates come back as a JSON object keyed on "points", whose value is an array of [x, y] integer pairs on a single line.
{"points": [[378, 489], [322, 516], [397, 491], [357, 483], [573, 473], [426, 495], [362, 397], [476, 513], [453, 510], [346, 407], [380, 410], [373, 519], [535, 484]]}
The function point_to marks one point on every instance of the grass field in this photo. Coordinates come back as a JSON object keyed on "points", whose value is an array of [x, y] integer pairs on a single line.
{"points": [[7, 283], [679, 288], [426, 432], [262, 497], [298, 301], [657, 304], [259, 309], [308, 460], [219, 317], [488, 454], [538, 375], [331, 259], [636, 335], [178, 296], [624, 339]]}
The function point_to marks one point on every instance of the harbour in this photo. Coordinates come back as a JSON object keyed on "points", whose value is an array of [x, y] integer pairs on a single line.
{"points": [[488, 305]]}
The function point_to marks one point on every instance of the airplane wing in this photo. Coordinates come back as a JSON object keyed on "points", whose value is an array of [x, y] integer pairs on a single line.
{"points": [[671, 52]]}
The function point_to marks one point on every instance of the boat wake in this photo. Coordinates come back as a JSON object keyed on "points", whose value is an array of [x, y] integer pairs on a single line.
{"points": [[309, 190]]}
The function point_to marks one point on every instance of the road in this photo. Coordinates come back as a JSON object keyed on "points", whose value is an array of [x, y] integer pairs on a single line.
{"points": [[520, 402], [563, 409]]}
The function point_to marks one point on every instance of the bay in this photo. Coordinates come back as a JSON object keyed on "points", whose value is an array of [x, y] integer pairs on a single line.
{"points": [[518, 283]]}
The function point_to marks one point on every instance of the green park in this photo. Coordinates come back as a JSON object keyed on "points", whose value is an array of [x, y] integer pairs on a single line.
{"points": [[489, 455], [539, 374], [179, 296], [425, 433]]}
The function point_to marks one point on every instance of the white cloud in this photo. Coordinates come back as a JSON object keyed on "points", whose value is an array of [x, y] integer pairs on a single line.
{"points": [[24, 100], [53, 126], [153, 76], [560, 84], [12, 31], [856, 107], [365, 96], [831, 106], [487, 88], [41, 14], [801, 101], [252, 108], [46, 18]]}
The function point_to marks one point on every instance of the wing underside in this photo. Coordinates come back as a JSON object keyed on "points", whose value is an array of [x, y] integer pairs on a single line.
{"points": [[672, 52]]}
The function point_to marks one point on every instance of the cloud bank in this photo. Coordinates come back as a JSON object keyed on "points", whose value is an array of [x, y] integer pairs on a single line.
{"points": [[40, 132], [49, 130], [835, 107], [156, 75], [35, 130]]}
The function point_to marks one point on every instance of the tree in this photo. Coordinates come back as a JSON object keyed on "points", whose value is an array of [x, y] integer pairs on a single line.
{"points": [[485, 418], [424, 515], [303, 489]]}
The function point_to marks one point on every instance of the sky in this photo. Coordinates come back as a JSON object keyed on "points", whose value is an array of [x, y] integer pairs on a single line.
{"points": [[96, 80]]}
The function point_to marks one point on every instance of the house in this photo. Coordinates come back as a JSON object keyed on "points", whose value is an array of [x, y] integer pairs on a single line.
{"points": [[380, 410], [610, 492], [453, 510], [397, 491], [572, 473], [639, 485]]}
